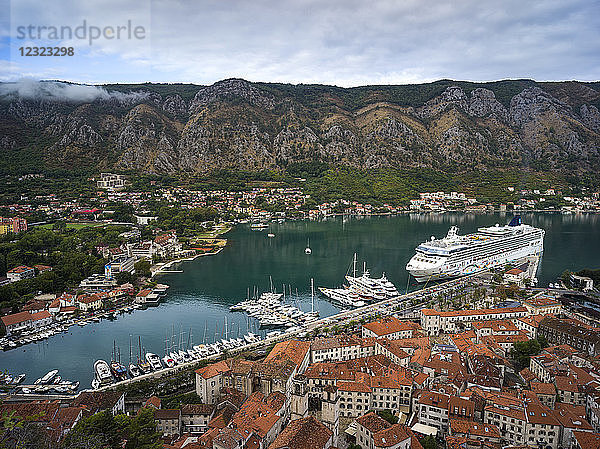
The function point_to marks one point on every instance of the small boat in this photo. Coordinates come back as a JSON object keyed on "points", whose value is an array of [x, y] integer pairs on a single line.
{"points": [[258, 226], [119, 371], [154, 361], [57, 380], [95, 384], [270, 235], [26, 390], [17, 380], [144, 366], [169, 361], [307, 250], [134, 371], [102, 371], [184, 355], [49, 376]]}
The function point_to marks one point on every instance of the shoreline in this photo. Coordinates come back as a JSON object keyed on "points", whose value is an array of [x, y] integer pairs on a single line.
{"points": [[163, 269]]}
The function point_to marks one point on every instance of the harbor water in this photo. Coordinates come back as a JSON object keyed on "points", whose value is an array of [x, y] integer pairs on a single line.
{"points": [[199, 298]]}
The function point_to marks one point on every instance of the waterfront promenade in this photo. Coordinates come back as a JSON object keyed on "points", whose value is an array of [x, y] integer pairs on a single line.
{"points": [[401, 305]]}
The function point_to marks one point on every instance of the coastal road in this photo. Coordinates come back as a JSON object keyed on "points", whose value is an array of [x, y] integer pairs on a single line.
{"points": [[386, 307]]}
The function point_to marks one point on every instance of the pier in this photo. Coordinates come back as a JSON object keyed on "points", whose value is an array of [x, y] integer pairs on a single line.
{"points": [[369, 311]]}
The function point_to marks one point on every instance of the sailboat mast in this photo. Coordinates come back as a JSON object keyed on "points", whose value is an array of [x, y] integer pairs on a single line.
{"points": [[173, 337], [312, 295]]}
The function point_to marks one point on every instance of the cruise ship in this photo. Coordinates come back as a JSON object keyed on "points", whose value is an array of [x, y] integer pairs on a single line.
{"points": [[458, 255]]}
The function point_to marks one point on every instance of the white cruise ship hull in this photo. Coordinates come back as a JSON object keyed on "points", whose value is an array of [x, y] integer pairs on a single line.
{"points": [[457, 256], [450, 272]]}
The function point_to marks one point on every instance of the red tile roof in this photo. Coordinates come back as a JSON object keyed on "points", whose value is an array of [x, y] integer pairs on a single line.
{"points": [[460, 426], [373, 422], [16, 318], [43, 314], [587, 440], [391, 436], [293, 350], [20, 269], [304, 433], [213, 369], [390, 325]]}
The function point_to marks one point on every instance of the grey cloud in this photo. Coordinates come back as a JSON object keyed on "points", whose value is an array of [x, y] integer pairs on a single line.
{"points": [[351, 42], [59, 91]]}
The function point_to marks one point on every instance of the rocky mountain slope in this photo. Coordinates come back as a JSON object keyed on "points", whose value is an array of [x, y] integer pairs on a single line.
{"points": [[236, 124]]}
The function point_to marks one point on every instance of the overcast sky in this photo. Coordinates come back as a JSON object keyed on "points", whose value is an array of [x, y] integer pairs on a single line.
{"points": [[341, 42]]}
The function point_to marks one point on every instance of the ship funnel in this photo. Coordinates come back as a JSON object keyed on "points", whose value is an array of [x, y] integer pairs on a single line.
{"points": [[516, 221]]}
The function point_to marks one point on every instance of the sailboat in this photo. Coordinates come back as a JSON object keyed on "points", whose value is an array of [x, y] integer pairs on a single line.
{"points": [[143, 364], [167, 359], [307, 250], [313, 312], [118, 371], [134, 371]]}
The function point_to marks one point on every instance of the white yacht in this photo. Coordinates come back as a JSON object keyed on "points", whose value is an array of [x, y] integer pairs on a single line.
{"points": [[49, 377], [458, 255], [102, 370], [154, 361], [370, 288]]}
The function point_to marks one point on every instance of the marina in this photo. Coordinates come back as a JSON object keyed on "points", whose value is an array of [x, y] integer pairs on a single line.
{"points": [[202, 295], [362, 289]]}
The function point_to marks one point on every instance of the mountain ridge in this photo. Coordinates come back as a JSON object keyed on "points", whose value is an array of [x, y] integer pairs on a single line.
{"points": [[236, 124]]}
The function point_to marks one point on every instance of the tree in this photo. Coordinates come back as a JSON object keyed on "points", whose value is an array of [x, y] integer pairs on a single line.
{"points": [[124, 277], [542, 341], [566, 277], [429, 442], [22, 432], [521, 352], [142, 268], [141, 431], [388, 416], [101, 428]]}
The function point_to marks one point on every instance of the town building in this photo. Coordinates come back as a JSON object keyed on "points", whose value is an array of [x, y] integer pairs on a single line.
{"points": [[583, 282], [111, 182], [195, 418], [13, 224], [435, 322], [19, 273], [88, 303], [16, 322], [304, 433], [391, 328], [168, 421], [542, 304], [558, 331]]}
